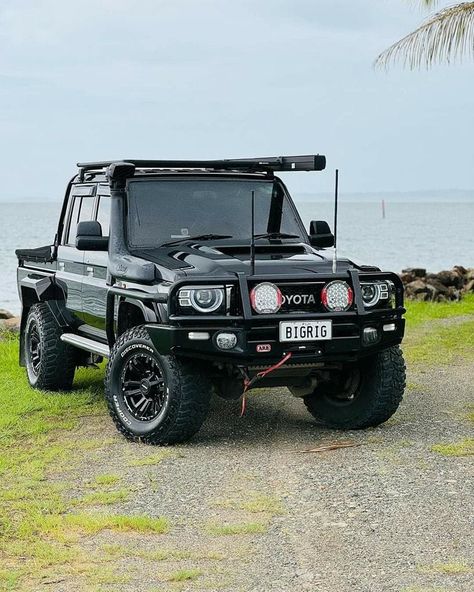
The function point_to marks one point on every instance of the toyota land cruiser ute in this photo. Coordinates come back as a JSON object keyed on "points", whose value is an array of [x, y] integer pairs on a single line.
{"points": [[194, 277]]}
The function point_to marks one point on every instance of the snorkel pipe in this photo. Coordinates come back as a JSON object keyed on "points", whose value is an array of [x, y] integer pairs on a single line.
{"points": [[121, 264]]}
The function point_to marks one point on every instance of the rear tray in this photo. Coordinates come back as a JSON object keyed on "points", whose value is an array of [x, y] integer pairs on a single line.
{"points": [[41, 254]]}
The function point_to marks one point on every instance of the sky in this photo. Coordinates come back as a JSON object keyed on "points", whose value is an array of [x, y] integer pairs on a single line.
{"points": [[106, 79]]}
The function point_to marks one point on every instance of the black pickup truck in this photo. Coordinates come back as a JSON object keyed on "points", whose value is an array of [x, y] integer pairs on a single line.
{"points": [[195, 277]]}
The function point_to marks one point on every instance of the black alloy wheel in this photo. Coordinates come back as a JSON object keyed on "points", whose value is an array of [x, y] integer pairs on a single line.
{"points": [[34, 347], [143, 387]]}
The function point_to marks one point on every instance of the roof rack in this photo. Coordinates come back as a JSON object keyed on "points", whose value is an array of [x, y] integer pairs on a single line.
{"points": [[315, 162]]}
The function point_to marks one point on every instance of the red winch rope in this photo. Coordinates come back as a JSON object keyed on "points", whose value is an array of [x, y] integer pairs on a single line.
{"points": [[250, 382]]}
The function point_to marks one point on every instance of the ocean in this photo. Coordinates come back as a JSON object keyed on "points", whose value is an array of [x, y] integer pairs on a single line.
{"points": [[414, 233]]}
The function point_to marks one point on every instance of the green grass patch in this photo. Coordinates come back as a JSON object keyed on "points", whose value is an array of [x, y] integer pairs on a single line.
{"points": [[9, 579], [39, 530], [441, 345], [104, 498], [183, 575], [422, 312], [55, 526], [254, 502], [106, 479], [450, 569], [463, 448], [236, 529]]}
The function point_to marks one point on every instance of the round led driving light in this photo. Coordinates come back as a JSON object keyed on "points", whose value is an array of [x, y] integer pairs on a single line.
{"points": [[266, 298], [337, 296]]}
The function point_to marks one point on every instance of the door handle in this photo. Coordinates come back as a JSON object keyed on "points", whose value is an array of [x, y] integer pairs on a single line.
{"points": [[61, 265], [90, 271]]}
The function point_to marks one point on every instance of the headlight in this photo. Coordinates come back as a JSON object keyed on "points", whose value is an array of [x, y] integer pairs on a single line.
{"points": [[202, 298], [266, 298], [337, 296], [374, 292]]}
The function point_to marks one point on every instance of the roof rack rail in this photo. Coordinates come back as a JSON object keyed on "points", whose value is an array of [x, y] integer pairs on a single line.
{"points": [[314, 162]]}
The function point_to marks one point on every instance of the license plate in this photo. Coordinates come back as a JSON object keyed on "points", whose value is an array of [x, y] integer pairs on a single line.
{"points": [[305, 330]]}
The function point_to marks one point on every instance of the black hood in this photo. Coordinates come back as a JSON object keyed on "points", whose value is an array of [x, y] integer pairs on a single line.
{"points": [[204, 260]]}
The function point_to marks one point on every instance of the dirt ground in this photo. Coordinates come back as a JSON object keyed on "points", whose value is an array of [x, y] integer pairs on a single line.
{"points": [[249, 511]]}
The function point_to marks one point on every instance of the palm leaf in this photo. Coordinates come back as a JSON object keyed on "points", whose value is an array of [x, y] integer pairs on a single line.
{"points": [[445, 36]]}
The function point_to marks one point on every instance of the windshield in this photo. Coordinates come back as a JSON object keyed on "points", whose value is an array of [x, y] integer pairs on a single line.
{"points": [[163, 210]]}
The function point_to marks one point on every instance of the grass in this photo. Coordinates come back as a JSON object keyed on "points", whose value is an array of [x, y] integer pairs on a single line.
{"points": [[40, 530], [236, 529], [431, 342], [422, 312], [441, 345], [107, 480], [253, 502], [184, 575], [104, 498], [450, 569], [463, 448]]}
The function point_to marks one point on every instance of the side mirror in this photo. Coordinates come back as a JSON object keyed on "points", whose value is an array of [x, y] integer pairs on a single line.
{"points": [[89, 237], [320, 234]]}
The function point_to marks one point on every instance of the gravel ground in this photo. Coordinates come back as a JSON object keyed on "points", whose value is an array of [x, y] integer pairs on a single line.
{"points": [[387, 515]]}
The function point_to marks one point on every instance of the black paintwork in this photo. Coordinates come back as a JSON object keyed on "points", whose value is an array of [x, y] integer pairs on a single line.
{"points": [[96, 293]]}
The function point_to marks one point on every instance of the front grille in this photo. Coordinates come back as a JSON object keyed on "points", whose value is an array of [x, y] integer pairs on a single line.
{"points": [[301, 297]]}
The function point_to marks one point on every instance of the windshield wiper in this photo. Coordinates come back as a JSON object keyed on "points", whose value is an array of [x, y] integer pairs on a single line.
{"points": [[198, 237], [276, 235]]}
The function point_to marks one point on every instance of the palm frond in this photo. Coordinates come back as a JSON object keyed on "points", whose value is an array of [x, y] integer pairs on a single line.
{"points": [[447, 35]]}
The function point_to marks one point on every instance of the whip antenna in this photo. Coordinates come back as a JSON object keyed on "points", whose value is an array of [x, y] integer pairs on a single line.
{"points": [[336, 199], [252, 238]]}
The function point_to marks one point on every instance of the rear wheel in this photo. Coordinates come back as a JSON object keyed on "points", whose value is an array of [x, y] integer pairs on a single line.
{"points": [[153, 398], [362, 395], [50, 363]]}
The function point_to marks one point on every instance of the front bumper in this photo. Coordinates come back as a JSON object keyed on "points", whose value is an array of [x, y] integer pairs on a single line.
{"points": [[254, 331]]}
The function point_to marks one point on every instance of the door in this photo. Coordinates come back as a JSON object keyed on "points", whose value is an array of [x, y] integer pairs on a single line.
{"points": [[70, 260], [94, 289]]}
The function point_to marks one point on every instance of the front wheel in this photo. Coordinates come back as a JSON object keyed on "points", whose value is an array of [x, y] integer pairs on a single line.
{"points": [[153, 398], [362, 395]]}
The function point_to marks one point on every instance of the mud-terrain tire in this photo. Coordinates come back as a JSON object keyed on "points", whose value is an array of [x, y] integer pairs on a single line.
{"points": [[50, 363], [152, 398], [371, 400]]}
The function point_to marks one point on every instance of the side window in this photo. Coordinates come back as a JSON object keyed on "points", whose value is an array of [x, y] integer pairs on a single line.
{"points": [[82, 209], [103, 214]]}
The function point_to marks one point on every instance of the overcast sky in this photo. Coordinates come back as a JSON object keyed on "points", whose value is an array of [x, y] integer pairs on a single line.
{"points": [[101, 79]]}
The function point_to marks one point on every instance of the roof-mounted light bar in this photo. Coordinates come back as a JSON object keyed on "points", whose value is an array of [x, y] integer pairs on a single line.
{"points": [[314, 162]]}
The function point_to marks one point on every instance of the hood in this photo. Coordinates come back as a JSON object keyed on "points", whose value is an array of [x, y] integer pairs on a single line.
{"points": [[285, 259]]}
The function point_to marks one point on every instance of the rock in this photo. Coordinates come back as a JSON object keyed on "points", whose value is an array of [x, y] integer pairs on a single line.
{"points": [[11, 324], [444, 286], [451, 278], [460, 269], [5, 314], [416, 287], [417, 272], [469, 287], [407, 277]]}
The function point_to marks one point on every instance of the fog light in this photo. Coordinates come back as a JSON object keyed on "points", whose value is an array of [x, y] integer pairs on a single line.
{"points": [[226, 340], [198, 336], [370, 335], [389, 327]]}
